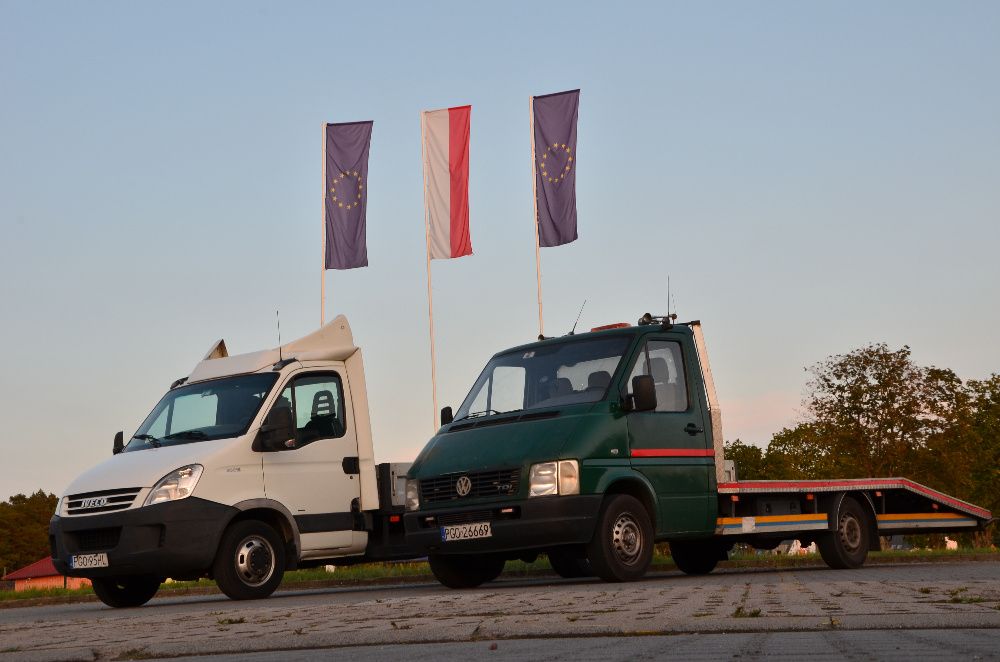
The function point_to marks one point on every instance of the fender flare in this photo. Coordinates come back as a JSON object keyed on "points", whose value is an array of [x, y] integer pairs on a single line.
{"points": [[627, 474]]}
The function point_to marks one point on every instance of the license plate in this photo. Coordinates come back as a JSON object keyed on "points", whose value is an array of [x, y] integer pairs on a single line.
{"points": [[81, 561], [466, 531]]}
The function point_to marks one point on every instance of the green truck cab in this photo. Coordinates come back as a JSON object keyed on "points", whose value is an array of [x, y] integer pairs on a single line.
{"points": [[590, 448], [587, 447]]}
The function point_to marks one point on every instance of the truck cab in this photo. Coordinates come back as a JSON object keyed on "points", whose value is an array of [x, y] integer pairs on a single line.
{"points": [[251, 465], [559, 438]]}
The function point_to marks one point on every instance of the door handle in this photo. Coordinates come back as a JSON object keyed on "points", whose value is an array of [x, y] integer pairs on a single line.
{"points": [[693, 429]]}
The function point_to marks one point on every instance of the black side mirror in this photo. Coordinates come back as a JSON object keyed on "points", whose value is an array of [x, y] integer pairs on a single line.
{"points": [[278, 428], [446, 415], [119, 443], [643, 393]]}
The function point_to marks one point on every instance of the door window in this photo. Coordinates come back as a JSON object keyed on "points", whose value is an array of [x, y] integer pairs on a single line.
{"points": [[317, 404], [662, 360]]}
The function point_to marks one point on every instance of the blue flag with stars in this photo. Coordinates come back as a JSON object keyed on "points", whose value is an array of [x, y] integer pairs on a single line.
{"points": [[345, 164], [555, 117]]}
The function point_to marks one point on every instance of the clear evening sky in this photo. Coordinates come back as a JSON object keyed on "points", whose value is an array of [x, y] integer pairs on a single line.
{"points": [[812, 177]]}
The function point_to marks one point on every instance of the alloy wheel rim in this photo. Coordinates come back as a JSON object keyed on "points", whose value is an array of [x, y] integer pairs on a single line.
{"points": [[254, 560], [626, 539]]}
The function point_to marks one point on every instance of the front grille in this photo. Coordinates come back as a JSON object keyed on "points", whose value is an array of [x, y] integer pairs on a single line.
{"points": [[105, 501], [97, 540], [464, 518], [484, 484]]}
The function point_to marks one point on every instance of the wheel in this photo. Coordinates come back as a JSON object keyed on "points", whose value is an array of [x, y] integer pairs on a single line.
{"points": [[465, 570], [570, 563], [126, 591], [622, 546], [847, 546], [695, 557], [250, 562]]}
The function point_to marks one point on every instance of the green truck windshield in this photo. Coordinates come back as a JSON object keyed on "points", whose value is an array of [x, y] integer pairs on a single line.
{"points": [[549, 375]]}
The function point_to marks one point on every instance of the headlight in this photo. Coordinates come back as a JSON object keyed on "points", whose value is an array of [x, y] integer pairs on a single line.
{"points": [[59, 506], [175, 485], [412, 494], [549, 478]]}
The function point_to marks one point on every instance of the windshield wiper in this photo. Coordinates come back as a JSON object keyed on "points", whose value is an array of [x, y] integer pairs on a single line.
{"points": [[477, 414], [148, 438], [187, 434]]}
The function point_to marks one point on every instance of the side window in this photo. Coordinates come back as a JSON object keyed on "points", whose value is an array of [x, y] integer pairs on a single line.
{"points": [[317, 404], [662, 360]]}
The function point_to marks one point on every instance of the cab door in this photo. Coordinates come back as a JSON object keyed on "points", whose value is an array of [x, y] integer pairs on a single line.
{"points": [[668, 445], [316, 475]]}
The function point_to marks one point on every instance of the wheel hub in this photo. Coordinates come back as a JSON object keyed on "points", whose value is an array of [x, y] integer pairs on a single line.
{"points": [[850, 532], [626, 539], [254, 561]]}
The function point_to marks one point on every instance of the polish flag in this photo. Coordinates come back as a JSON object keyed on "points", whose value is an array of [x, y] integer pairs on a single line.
{"points": [[446, 181]]}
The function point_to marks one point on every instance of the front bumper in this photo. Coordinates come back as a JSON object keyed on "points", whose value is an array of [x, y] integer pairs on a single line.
{"points": [[174, 539], [534, 524]]}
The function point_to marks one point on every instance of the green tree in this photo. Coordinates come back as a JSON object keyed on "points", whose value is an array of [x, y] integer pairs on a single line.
{"points": [[749, 460], [24, 524]]}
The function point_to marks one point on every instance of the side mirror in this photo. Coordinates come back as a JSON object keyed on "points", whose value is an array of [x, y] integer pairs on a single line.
{"points": [[278, 427], [643, 393], [119, 443], [447, 416]]}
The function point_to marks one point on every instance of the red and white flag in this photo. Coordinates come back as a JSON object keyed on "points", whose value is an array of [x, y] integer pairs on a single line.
{"points": [[446, 181]]}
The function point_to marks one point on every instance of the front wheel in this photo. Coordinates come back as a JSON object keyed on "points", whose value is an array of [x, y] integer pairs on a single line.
{"points": [[465, 570], [622, 546], [847, 546], [250, 562], [121, 592]]}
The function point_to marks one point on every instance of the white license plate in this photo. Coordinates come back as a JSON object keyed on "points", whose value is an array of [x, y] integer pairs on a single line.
{"points": [[466, 531], [89, 561]]}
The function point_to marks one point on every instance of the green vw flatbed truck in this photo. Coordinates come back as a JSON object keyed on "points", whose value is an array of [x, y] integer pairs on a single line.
{"points": [[592, 447]]}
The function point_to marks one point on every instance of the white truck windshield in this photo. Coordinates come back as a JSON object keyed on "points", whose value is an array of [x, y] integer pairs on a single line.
{"points": [[563, 373], [207, 410]]}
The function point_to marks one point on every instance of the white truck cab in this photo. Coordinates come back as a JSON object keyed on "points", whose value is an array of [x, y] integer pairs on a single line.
{"points": [[251, 465]]}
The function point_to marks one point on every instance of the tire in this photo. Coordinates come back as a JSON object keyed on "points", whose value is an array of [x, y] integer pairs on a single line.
{"points": [[622, 546], [570, 563], [120, 592], [465, 570], [847, 546], [250, 562], [695, 557]]}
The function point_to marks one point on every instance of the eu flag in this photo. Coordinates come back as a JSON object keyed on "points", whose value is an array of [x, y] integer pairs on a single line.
{"points": [[555, 117], [345, 165]]}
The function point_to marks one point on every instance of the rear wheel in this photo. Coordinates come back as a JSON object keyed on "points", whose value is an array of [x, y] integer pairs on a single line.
{"points": [[465, 570], [250, 562], [695, 557], [622, 546], [570, 563], [847, 546], [126, 591]]}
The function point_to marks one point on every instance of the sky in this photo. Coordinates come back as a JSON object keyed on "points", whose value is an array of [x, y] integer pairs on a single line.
{"points": [[811, 177]]}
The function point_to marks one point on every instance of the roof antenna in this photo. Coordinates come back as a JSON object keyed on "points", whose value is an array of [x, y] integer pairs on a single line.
{"points": [[278, 318], [578, 318]]}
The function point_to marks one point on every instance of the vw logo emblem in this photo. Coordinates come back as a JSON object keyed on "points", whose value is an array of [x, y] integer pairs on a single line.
{"points": [[463, 486]]}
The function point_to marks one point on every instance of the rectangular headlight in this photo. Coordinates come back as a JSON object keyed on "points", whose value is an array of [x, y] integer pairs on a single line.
{"points": [[412, 494], [543, 479]]}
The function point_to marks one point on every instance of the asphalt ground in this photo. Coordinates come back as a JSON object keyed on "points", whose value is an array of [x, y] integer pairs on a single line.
{"points": [[883, 612]]}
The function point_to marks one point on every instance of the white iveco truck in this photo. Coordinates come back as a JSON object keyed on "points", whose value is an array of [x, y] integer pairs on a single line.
{"points": [[252, 465]]}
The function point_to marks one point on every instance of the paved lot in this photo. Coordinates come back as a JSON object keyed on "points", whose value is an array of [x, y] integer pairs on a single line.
{"points": [[817, 605]]}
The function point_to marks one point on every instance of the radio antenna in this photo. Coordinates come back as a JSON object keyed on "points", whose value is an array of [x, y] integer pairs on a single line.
{"points": [[278, 318], [668, 295], [578, 318]]}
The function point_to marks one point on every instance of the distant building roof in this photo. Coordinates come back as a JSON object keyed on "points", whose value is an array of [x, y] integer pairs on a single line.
{"points": [[41, 568]]}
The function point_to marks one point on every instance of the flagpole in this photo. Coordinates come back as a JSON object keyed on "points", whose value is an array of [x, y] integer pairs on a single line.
{"points": [[322, 270], [430, 294], [534, 197]]}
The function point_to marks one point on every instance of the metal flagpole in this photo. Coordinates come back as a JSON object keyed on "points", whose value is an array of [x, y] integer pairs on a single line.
{"points": [[534, 197], [430, 294], [322, 271]]}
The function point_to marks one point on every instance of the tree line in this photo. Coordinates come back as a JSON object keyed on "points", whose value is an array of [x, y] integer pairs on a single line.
{"points": [[873, 412], [24, 529]]}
